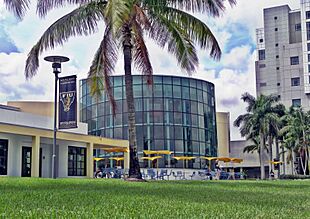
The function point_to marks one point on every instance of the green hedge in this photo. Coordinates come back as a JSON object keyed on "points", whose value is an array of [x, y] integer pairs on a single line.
{"points": [[294, 176]]}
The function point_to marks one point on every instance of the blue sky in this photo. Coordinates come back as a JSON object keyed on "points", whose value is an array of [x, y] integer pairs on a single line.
{"points": [[232, 76]]}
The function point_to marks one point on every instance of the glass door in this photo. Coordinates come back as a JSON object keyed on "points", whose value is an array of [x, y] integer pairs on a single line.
{"points": [[26, 161]]}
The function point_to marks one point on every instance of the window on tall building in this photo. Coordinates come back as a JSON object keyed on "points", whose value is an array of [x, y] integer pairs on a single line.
{"points": [[276, 29], [309, 68], [295, 81], [261, 40], [262, 65], [277, 44], [308, 30], [263, 84], [296, 102], [307, 14], [295, 60], [278, 68], [76, 161], [308, 57], [276, 18], [261, 54], [277, 56], [298, 27], [278, 84]]}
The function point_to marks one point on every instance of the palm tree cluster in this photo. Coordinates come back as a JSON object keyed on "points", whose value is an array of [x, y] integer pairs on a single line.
{"points": [[267, 122], [170, 23]]}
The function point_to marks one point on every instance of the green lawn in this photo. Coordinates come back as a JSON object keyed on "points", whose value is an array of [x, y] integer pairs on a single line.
{"points": [[97, 198]]}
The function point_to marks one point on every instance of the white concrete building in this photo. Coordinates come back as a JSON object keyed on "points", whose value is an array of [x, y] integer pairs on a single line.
{"points": [[26, 141], [283, 59]]}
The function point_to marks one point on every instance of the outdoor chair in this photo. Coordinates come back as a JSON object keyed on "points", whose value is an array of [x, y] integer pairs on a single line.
{"points": [[168, 175], [178, 174], [162, 174], [192, 175], [151, 173], [202, 174], [143, 174]]}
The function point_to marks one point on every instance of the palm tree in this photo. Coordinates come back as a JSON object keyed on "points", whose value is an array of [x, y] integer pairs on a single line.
{"points": [[168, 22], [261, 115], [18, 7], [296, 133]]}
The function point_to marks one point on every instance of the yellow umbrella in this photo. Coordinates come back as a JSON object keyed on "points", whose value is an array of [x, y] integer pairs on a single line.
{"points": [[224, 159], [152, 159], [117, 159], [209, 159], [236, 160], [183, 158], [148, 152], [276, 162], [98, 158]]}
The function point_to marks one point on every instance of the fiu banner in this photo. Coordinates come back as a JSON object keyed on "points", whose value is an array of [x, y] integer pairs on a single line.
{"points": [[67, 102]]}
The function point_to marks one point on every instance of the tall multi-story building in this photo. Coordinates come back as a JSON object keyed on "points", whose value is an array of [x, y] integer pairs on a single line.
{"points": [[283, 53]]}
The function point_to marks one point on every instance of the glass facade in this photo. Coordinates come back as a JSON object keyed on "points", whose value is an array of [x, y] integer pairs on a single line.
{"points": [[175, 113]]}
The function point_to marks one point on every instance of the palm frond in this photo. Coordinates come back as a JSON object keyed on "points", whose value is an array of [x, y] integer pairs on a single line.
{"points": [[166, 32], [81, 21], [117, 12], [18, 7], [212, 7], [250, 100], [44, 6], [141, 55], [103, 66], [197, 31]]}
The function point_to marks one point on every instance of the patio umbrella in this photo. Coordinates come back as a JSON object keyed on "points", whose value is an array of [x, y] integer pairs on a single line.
{"points": [[97, 159], [149, 152], [117, 159], [152, 159], [209, 159], [224, 159], [184, 158]]}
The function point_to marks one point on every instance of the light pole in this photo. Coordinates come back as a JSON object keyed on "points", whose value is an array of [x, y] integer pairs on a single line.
{"points": [[56, 65]]}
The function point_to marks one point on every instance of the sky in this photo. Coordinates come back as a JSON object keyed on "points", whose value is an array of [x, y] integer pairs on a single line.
{"points": [[233, 75]]}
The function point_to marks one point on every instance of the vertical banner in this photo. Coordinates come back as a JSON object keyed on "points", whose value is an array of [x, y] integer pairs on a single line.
{"points": [[67, 102]]}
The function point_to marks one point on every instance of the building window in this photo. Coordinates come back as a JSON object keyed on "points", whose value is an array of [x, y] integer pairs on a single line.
{"points": [[3, 157], [261, 40], [308, 30], [294, 60], [307, 14], [296, 102], [262, 65], [308, 46], [76, 161], [278, 68], [308, 57], [298, 27], [309, 68], [277, 44], [261, 54], [278, 84], [263, 84], [295, 82], [279, 97], [275, 29], [277, 56], [276, 18]]}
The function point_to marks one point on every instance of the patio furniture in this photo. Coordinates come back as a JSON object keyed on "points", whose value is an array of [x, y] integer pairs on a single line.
{"points": [[178, 174], [151, 173], [162, 174], [192, 175]]}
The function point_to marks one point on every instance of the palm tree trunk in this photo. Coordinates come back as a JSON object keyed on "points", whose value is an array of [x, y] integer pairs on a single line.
{"points": [[261, 160], [293, 160], [283, 160], [270, 154], [134, 168], [278, 155]]}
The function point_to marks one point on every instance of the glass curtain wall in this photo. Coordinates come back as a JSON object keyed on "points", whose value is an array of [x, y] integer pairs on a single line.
{"points": [[175, 113]]}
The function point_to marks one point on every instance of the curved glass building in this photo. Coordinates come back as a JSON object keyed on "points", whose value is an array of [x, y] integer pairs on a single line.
{"points": [[175, 113]]}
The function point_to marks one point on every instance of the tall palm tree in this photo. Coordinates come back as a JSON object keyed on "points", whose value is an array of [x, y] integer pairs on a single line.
{"points": [[296, 132], [261, 115], [168, 22], [18, 7]]}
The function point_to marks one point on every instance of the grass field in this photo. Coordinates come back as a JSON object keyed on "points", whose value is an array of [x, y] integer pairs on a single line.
{"points": [[97, 198]]}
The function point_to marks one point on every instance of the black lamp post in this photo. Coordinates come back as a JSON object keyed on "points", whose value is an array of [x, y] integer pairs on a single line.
{"points": [[56, 65]]}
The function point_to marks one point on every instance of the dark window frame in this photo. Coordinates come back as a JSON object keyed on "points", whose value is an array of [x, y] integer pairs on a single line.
{"points": [[75, 152], [294, 60], [295, 81], [4, 157]]}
